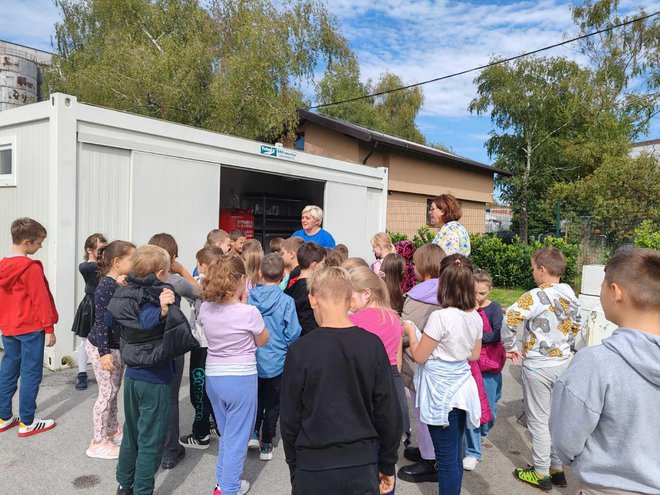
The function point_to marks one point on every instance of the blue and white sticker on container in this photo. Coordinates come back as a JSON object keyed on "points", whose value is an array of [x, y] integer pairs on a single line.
{"points": [[277, 152]]}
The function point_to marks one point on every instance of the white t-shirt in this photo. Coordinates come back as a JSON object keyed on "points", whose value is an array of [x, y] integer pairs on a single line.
{"points": [[456, 332]]}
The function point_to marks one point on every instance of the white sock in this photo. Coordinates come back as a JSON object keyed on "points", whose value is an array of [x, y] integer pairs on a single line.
{"points": [[82, 356]]}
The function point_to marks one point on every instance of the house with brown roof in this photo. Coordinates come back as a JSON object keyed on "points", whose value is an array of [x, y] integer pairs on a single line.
{"points": [[417, 173]]}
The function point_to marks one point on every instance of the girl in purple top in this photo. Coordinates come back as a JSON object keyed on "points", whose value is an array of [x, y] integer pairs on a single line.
{"points": [[233, 330], [371, 311]]}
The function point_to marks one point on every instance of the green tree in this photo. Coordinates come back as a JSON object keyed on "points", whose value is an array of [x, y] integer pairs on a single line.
{"points": [[536, 106], [393, 113], [626, 61], [618, 196], [237, 66]]}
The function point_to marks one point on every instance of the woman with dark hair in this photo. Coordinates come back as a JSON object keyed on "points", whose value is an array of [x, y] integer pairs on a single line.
{"points": [[445, 212]]}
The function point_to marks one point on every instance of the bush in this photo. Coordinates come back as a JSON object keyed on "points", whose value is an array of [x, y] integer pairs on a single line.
{"points": [[397, 236], [510, 264], [424, 236], [646, 237]]}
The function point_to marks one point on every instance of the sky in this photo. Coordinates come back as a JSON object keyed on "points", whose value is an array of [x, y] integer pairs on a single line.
{"points": [[416, 39]]}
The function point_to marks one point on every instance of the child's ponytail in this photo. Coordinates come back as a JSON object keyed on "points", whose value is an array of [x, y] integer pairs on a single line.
{"points": [[456, 283], [116, 249]]}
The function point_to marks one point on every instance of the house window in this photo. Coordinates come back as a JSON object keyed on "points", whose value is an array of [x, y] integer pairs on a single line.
{"points": [[7, 164], [300, 141]]}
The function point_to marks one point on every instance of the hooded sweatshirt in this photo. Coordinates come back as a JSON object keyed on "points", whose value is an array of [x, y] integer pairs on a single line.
{"points": [[420, 302], [550, 314], [26, 304], [279, 314], [604, 414]]}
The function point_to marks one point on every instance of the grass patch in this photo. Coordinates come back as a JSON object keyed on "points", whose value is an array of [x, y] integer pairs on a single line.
{"points": [[506, 297]]}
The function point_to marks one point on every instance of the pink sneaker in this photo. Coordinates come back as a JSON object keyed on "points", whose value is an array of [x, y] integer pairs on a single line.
{"points": [[103, 449], [116, 438], [217, 490]]}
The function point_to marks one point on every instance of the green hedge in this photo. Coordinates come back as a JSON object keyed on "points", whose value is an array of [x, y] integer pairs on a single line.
{"points": [[647, 237], [509, 264]]}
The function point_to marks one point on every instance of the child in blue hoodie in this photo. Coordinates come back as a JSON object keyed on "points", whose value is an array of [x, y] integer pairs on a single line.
{"points": [[279, 313], [605, 406]]}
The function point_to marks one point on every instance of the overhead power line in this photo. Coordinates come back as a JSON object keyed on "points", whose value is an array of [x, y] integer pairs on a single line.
{"points": [[498, 62]]}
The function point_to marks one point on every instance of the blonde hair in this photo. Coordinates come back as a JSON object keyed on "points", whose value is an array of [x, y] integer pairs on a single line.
{"points": [[481, 275], [252, 255], [331, 284], [292, 244], [149, 259], [363, 278], [351, 264], [382, 240], [215, 236], [222, 279], [315, 212], [427, 260], [342, 251]]}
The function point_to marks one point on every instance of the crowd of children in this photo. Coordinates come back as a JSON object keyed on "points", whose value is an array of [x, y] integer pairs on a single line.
{"points": [[326, 346]]}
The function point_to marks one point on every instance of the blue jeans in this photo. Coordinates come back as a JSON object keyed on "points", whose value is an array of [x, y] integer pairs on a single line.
{"points": [[448, 442], [234, 401], [24, 357], [493, 387]]}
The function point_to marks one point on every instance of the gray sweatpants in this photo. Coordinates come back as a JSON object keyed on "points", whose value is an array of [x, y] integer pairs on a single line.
{"points": [[537, 389]]}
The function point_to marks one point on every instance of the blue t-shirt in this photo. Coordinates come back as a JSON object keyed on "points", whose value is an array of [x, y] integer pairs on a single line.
{"points": [[323, 237]]}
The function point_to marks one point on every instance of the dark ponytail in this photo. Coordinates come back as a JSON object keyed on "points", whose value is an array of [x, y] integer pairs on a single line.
{"points": [[92, 241], [116, 249]]}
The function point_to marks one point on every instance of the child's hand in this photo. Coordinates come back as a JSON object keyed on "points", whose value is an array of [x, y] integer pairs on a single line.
{"points": [[515, 357], [166, 298], [386, 483], [107, 363], [176, 267], [409, 328], [50, 339], [122, 280]]}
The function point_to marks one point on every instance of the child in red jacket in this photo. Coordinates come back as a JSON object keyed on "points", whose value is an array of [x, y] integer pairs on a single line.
{"points": [[27, 318]]}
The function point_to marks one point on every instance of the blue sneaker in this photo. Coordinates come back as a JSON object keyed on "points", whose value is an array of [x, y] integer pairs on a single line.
{"points": [[254, 440], [266, 453]]}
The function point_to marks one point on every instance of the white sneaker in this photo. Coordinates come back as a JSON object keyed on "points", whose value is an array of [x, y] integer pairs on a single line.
{"points": [[245, 487], [104, 449], [254, 442], [469, 463], [5, 424], [37, 426]]}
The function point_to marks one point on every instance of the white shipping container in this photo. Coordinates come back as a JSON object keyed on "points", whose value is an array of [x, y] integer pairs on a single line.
{"points": [[80, 169]]}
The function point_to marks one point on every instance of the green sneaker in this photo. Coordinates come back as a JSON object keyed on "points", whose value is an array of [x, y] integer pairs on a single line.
{"points": [[531, 477], [558, 478]]}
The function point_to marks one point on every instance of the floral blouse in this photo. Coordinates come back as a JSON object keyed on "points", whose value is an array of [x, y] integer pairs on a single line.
{"points": [[453, 239]]}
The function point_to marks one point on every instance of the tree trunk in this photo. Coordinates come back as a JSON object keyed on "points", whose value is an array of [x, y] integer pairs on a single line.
{"points": [[524, 218]]}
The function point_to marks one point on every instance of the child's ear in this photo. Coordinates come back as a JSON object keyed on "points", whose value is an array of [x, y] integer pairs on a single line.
{"points": [[313, 303], [617, 292]]}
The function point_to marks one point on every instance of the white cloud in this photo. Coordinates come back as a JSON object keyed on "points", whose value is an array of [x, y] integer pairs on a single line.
{"points": [[424, 39]]}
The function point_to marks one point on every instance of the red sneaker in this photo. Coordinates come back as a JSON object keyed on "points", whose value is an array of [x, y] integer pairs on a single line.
{"points": [[37, 426]]}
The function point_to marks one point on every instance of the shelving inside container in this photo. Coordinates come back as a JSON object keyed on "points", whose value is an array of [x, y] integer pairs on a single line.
{"points": [[276, 201]]}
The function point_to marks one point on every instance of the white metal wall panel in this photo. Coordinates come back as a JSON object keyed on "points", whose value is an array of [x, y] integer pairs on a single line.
{"points": [[29, 198], [374, 223], [103, 185], [176, 196], [345, 217]]}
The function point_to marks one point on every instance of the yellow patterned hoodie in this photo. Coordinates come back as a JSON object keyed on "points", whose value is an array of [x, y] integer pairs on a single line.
{"points": [[550, 317]]}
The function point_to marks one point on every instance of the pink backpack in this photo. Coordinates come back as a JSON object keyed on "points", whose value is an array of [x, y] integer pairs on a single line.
{"points": [[493, 355]]}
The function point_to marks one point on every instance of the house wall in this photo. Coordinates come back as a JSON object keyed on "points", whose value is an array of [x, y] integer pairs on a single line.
{"points": [[413, 179], [407, 212]]}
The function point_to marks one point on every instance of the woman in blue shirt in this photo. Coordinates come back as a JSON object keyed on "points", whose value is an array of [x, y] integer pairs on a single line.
{"points": [[312, 217]]}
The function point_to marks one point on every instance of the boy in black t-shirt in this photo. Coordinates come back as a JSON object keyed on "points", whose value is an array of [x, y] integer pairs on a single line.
{"points": [[340, 417], [311, 256]]}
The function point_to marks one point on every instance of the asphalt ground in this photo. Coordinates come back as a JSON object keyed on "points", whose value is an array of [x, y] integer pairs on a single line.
{"points": [[55, 463]]}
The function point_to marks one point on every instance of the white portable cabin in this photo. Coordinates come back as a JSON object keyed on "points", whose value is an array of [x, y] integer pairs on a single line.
{"points": [[80, 169]]}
